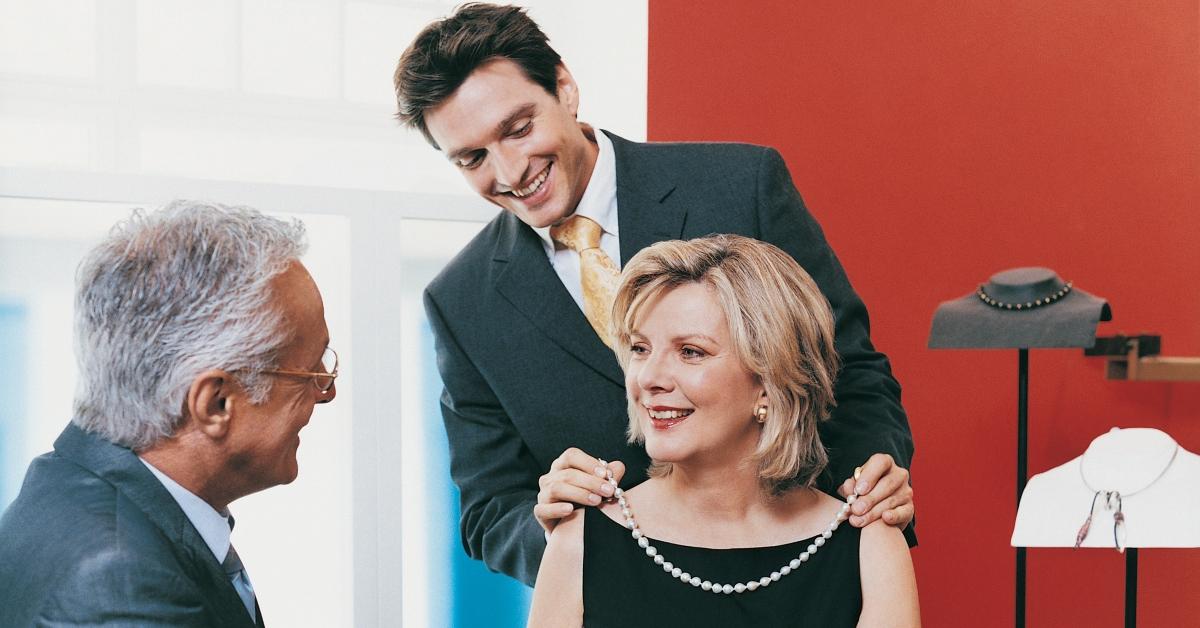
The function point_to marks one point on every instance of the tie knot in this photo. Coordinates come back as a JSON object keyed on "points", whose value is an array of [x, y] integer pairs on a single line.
{"points": [[577, 233], [233, 563]]}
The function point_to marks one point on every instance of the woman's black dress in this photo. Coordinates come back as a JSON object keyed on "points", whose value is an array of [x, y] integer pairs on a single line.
{"points": [[622, 587]]}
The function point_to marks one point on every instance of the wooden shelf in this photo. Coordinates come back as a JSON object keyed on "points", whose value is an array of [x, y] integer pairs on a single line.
{"points": [[1151, 368]]}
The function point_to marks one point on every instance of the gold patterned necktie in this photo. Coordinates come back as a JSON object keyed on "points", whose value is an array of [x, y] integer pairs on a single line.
{"points": [[599, 275]]}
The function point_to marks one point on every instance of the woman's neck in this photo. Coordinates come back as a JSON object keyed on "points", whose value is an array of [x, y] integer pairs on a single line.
{"points": [[724, 509], [715, 495]]}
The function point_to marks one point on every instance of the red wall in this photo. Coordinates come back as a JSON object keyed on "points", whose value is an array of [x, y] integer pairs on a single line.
{"points": [[939, 143]]}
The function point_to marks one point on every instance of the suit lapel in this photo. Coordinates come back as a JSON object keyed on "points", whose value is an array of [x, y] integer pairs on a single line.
{"points": [[529, 283], [645, 215], [121, 467], [645, 211], [225, 600]]}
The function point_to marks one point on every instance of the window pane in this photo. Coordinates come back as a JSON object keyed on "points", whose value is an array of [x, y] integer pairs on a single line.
{"points": [[41, 242], [14, 329], [290, 47], [35, 141], [186, 43], [271, 154], [376, 34], [442, 586], [48, 38]]}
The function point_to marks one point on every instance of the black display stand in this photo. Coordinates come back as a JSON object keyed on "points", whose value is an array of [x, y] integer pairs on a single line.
{"points": [[1131, 560], [1020, 308], [1131, 554], [1022, 469]]}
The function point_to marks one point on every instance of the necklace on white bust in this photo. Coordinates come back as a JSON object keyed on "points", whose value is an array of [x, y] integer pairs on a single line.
{"points": [[1114, 501], [696, 581]]}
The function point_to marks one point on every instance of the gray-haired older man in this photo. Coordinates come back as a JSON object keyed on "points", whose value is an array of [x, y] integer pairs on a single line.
{"points": [[202, 349]]}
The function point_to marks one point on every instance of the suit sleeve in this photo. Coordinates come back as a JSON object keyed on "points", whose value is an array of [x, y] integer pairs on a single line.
{"points": [[495, 473], [120, 589], [868, 418]]}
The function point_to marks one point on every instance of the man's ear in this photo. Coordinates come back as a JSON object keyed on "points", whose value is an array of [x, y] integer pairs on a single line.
{"points": [[567, 89], [209, 402]]}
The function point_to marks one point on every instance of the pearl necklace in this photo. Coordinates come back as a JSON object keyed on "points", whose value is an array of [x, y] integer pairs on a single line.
{"points": [[707, 585]]}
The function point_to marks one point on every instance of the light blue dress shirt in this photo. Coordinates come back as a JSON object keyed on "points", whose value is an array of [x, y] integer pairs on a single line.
{"points": [[215, 528]]}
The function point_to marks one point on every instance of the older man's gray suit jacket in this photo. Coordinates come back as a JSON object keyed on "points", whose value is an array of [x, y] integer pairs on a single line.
{"points": [[94, 539], [526, 376]]}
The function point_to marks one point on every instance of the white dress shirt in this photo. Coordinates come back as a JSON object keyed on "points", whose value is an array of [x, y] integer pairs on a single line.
{"points": [[599, 202]]}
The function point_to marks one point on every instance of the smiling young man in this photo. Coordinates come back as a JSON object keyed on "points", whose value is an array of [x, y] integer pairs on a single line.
{"points": [[533, 394], [520, 148]]}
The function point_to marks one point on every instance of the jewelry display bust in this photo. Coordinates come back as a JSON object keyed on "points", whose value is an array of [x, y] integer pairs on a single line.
{"points": [[1133, 487], [1019, 308]]}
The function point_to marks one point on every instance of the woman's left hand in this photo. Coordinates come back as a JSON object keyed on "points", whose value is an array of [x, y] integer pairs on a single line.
{"points": [[883, 493]]}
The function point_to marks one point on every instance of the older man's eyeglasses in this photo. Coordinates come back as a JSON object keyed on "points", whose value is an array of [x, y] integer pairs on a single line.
{"points": [[324, 380]]}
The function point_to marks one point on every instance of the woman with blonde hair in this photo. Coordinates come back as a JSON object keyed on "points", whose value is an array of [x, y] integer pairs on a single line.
{"points": [[727, 346]]}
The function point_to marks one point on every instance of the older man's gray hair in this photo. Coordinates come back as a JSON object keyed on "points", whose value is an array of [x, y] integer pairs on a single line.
{"points": [[168, 295]]}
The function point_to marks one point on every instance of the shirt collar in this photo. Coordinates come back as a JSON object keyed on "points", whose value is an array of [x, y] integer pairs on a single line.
{"points": [[212, 525], [599, 201]]}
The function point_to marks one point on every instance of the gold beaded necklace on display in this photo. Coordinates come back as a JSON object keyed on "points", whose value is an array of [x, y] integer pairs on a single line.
{"points": [[1028, 305]]}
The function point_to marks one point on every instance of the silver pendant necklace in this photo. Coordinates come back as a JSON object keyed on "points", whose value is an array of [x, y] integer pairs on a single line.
{"points": [[707, 585], [1113, 501]]}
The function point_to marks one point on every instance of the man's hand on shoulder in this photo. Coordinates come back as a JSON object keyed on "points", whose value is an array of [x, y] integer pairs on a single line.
{"points": [[574, 478], [884, 493]]}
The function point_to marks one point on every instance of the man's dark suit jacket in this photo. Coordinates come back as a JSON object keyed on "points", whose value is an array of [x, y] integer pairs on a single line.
{"points": [[526, 376], [95, 539]]}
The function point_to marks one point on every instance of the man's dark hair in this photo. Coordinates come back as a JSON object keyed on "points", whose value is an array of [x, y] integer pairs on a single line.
{"points": [[445, 53]]}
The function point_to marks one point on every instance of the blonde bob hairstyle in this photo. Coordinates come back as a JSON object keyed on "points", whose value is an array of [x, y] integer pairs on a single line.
{"points": [[782, 330]]}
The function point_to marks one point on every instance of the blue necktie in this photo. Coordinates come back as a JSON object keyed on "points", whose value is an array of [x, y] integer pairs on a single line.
{"points": [[239, 578]]}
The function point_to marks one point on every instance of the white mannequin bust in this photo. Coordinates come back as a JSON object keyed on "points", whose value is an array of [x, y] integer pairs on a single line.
{"points": [[1156, 478]]}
